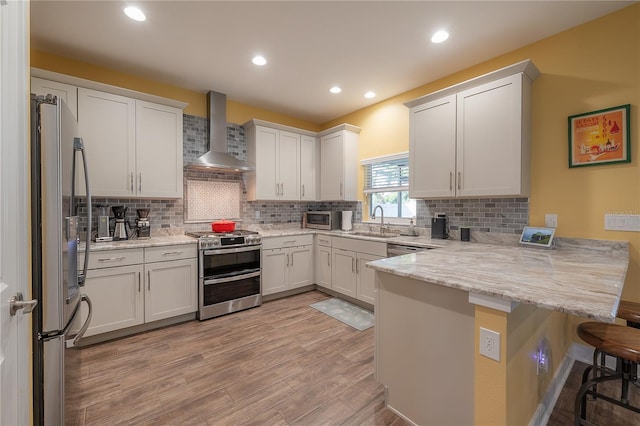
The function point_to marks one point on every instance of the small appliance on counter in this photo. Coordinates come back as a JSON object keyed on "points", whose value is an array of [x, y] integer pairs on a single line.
{"points": [[120, 231], [143, 227], [325, 220], [439, 227], [347, 220], [103, 225]]}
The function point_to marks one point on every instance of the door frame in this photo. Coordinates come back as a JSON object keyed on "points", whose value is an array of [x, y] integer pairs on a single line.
{"points": [[15, 254]]}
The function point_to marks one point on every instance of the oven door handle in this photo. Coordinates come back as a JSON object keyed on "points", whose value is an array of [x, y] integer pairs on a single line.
{"points": [[231, 250], [234, 278]]}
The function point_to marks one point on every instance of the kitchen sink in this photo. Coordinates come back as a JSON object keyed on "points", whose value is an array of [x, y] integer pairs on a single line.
{"points": [[376, 234]]}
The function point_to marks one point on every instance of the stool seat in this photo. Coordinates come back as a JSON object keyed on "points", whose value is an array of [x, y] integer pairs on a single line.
{"points": [[616, 340], [629, 311]]}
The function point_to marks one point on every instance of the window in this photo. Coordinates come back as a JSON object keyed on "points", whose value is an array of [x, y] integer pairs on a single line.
{"points": [[386, 184]]}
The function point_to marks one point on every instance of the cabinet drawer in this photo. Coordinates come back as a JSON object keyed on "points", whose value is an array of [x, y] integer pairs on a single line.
{"points": [[110, 258], [323, 240], [361, 246], [287, 241], [164, 253]]}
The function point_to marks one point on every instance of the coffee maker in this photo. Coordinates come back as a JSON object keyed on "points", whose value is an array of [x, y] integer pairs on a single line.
{"points": [[143, 228], [120, 231], [103, 225], [439, 227]]}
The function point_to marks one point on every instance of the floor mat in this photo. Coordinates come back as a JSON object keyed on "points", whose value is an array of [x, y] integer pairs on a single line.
{"points": [[355, 316]]}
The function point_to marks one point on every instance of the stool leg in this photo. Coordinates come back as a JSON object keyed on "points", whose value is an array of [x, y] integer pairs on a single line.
{"points": [[581, 397]]}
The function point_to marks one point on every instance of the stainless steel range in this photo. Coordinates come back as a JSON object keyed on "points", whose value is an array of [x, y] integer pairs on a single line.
{"points": [[229, 272]]}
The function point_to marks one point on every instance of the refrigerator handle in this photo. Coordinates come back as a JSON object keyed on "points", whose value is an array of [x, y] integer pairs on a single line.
{"points": [[85, 326], [78, 145]]}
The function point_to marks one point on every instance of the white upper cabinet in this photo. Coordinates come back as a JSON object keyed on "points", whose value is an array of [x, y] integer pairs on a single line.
{"points": [[107, 125], [284, 160], [339, 163], [308, 167], [64, 91], [159, 142], [472, 139], [134, 148]]}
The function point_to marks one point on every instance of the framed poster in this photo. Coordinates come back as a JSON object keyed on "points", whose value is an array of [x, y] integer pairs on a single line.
{"points": [[600, 137]]}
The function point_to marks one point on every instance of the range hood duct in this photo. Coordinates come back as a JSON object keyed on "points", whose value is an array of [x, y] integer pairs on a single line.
{"points": [[217, 158]]}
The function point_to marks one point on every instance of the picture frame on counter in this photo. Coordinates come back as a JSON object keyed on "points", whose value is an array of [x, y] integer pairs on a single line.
{"points": [[600, 137], [537, 236]]}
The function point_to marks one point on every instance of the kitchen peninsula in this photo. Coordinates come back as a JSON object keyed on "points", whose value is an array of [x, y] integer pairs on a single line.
{"points": [[431, 305]]}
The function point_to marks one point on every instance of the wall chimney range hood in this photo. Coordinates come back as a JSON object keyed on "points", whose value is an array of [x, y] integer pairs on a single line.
{"points": [[217, 158]]}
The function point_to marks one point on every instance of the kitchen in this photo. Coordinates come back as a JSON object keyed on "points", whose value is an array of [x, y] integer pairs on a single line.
{"points": [[581, 217]]}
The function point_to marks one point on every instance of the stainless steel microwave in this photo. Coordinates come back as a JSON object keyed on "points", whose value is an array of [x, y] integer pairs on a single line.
{"points": [[323, 220]]}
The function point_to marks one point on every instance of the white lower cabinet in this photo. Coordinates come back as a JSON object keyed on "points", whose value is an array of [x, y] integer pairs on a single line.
{"points": [[117, 298], [170, 289], [349, 275], [287, 263], [135, 286], [322, 262]]}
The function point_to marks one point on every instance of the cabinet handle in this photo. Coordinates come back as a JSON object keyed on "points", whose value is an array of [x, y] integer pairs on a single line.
{"points": [[450, 181], [341, 189], [353, 265], [149, 280], [140, 182], [303, 189], [111, 259], [131, 181], [459, 180], [277, 189], [328, 259], [357, 267], [292, 260], [282, 188], [287, 260], [138, 282], [289, 242], [171, 253]]}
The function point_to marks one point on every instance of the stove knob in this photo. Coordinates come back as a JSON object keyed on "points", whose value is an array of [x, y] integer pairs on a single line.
{"points": [[257, 239], [215, 242]]}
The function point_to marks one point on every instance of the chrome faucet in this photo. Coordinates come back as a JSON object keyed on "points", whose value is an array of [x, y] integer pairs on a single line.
{"points": [[373, 216]]}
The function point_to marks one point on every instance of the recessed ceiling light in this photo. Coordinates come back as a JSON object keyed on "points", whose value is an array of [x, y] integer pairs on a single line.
{"points": [[259, 60], [135, 13], [335, 89], [439, 36], [369, 95]]}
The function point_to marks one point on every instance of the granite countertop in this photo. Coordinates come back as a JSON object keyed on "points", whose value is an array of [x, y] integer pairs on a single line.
{"points": [[579, 279], [166, 240]]}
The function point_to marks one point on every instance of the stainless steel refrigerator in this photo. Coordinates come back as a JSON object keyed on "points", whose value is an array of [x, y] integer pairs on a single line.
{"points": [[57, 158]]}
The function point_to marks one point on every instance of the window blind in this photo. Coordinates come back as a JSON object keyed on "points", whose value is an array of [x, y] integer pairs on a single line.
{"points": [[386, 174]]}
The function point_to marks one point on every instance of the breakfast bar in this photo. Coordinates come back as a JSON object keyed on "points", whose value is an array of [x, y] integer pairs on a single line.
{"points": [[432, 305]]}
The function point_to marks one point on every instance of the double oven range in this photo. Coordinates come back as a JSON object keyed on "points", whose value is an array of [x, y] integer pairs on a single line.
{"points": [[229, 272]]}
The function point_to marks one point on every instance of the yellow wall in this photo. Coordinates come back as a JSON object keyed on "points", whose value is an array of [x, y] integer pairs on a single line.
{"points": [[236, 112], [590, 67]]}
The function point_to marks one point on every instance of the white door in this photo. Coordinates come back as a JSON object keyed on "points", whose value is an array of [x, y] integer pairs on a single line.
{"points": [[15, 358], [308, 168], [267, 185], [332, 167], [301, 266], [289, 165], [343, 272], [275, 269]]}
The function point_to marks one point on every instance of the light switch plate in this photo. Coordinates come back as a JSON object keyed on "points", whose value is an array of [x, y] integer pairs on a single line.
{"points": [[551, 220]]}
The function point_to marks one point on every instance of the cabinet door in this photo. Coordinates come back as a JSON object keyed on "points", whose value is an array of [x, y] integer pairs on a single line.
{"points": [[117, 297], [432, 149], [266, 164], [158, 151], [274, 271], [489, 135], [289, 165], [332, 167], [300, 266], [366, 278], [106, 123], [66, 92], [343, 272], [323, 266], [308, 168], [170, 289]]}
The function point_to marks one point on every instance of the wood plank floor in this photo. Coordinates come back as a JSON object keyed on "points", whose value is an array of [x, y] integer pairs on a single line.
{"points": [[283, 363]]}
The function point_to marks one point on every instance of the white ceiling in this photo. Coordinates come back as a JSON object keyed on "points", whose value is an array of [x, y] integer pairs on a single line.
{"points": [[310, 45]]}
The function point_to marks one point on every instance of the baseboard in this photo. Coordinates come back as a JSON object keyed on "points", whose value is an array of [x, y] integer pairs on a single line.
{"points": [[545, 407]]}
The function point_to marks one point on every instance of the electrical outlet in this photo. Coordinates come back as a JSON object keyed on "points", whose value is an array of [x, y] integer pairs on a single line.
{"points": [[551, 220], [257, 214], [490, 343]]}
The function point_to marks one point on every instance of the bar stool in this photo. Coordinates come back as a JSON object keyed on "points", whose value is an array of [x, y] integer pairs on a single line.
{"points": [[629, 311], [620, 342]]}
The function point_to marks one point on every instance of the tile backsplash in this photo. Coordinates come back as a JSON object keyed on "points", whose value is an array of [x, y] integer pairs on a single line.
{"points": [[495, 215]]}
